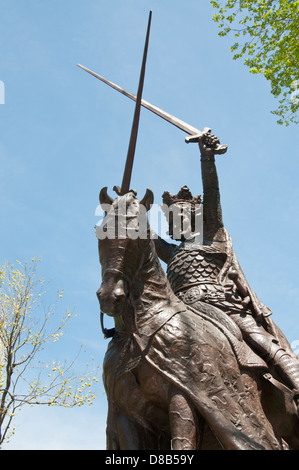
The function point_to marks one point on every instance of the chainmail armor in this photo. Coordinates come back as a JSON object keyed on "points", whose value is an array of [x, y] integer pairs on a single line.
{"points": [[197, 265]]}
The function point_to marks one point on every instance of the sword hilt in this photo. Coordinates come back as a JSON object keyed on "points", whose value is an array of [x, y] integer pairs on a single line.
{"points": [[217, 148]]}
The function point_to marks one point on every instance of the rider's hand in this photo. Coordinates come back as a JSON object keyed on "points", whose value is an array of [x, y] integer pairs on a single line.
{"points": [[209, 144]]}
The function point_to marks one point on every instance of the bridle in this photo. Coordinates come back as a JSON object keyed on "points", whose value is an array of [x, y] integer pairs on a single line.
{"points": [[110, 332]]}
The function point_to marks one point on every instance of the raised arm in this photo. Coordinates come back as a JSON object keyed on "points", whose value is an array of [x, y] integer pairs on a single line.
{"points": [[212, 212]]}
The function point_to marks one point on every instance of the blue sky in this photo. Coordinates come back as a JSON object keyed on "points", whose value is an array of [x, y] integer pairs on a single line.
{"points": [[64, 135]]}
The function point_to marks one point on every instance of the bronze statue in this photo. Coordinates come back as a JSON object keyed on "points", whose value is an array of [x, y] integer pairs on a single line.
{"points": [[183, 348], [210, 273], [194, 361], [177, 377]]}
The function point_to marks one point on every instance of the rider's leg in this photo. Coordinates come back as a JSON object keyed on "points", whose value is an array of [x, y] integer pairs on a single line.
{"points": [[285, 362]]}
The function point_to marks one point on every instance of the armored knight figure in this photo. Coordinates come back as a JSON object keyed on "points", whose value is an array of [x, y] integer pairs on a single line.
{"points": [[208, 271]]}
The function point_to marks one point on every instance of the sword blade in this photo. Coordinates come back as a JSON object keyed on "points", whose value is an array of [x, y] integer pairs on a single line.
{"points": [[154, 109], [125, 187]]}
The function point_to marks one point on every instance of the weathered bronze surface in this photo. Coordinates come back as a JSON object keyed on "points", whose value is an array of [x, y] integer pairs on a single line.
{"points": [[182, 376], [195, 361]]}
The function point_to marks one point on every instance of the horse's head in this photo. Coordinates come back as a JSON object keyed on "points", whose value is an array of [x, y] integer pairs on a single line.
{"points": [[124, 224]]}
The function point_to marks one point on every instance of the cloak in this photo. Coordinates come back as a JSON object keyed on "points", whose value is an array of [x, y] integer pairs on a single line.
{"points": [[196, 356]]}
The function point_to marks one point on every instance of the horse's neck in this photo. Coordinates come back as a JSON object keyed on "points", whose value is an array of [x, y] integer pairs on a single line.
{"points": [[151, 286], [150, 292]]}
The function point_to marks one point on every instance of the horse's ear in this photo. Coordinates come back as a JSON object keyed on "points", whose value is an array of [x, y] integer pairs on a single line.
{"points": [[104, 197], [148, 199]]}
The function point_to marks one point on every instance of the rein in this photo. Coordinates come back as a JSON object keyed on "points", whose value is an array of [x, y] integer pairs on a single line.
{"points": [[107, 332]]}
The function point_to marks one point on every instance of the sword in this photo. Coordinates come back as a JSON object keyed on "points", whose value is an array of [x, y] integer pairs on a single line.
{"points": [[125, 186], [195, 135]]}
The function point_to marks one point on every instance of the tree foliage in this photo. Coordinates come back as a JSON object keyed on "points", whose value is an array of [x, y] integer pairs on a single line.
{"points": [[26, 328], [270, 46]]}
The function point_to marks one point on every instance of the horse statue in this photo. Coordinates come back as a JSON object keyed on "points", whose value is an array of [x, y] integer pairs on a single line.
{"points": [[175, 378]]}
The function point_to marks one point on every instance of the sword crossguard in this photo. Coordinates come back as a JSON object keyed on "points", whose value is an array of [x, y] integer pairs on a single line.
{"points": [[215, 148], [193, 138]]}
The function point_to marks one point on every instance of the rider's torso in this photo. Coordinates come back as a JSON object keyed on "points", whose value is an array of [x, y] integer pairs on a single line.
{"points": [[193, 264], [194, 274]]}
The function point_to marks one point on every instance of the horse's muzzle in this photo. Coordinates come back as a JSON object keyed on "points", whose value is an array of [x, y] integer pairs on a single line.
{"points": [[112, 296]]}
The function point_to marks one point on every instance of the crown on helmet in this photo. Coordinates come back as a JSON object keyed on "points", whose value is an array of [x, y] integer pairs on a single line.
{"points": [[182, 197], [181, 211]]}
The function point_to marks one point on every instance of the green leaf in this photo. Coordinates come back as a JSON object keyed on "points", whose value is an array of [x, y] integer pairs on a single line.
{"points": [[271, 29]]}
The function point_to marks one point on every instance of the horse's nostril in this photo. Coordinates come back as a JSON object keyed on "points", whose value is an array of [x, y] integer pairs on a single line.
{"points": [[119, 296], [99, 293]]}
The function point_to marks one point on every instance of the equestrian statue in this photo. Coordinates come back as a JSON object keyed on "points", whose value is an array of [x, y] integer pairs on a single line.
{"points": [[194, 359]]}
